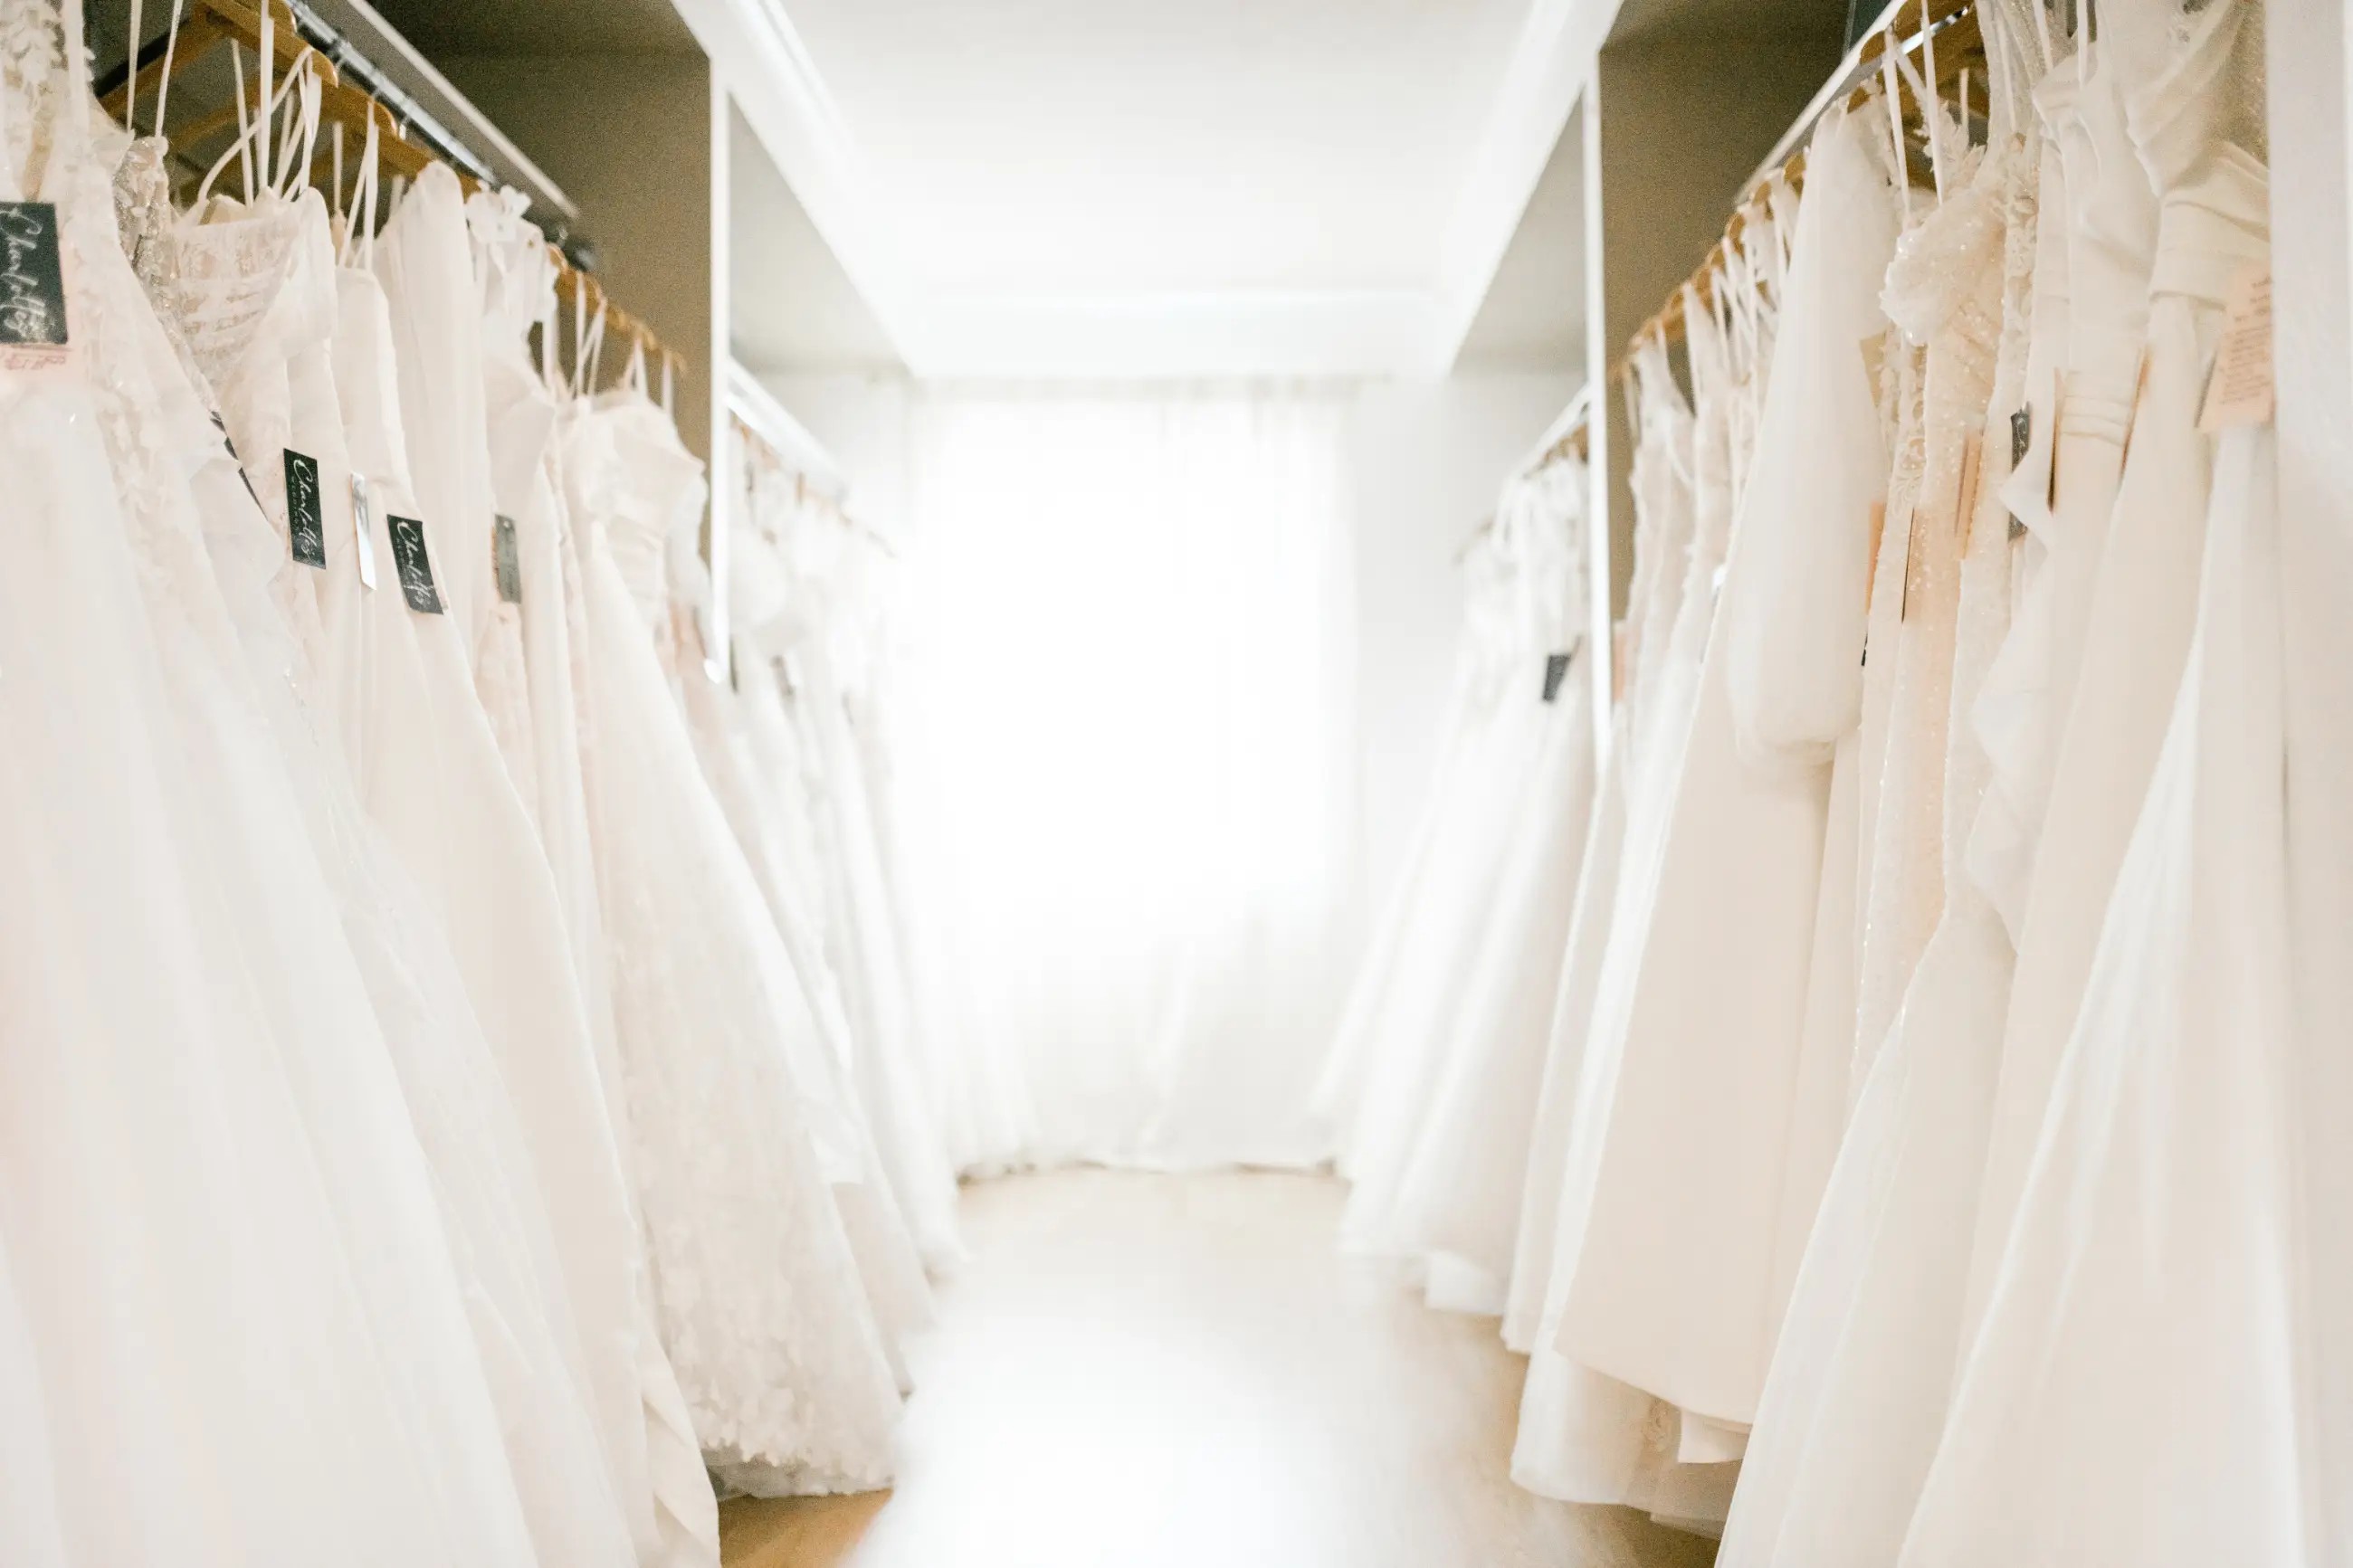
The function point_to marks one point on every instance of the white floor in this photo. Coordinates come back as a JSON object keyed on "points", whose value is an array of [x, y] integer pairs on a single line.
{"points": [[1140, 1371]]}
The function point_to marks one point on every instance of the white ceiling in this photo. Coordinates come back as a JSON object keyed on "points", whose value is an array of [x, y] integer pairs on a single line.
{"points": [[1147, 188]]}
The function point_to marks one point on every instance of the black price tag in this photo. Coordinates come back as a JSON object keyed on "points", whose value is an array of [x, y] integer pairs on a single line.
{"points": [[506, 559], [1556, 672], [306, 524], [32, 287], [408, 557]]}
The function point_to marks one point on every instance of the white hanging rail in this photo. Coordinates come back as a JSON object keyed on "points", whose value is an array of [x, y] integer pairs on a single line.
{"points": [[786, 436], [356, 38], [1563, 425]]}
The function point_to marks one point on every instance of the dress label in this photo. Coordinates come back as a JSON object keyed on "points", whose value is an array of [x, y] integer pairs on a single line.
{"points": [[506, 559], [1964, 521], [408, 559], [1555, 671], [1871, 572], [31, 288], [306, 524], [2240, 391], [363, 532]]}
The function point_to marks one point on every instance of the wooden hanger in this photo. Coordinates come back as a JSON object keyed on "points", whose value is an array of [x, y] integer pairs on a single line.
{"points": [[205, 25]]}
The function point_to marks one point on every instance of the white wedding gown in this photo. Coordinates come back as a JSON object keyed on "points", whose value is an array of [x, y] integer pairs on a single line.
{"points": [[761, 1303], [2134, 1394], [2111, 220], [1856, 1393], [435, 780], [222, 1234], [425, 258], [887, 1069], [1404, 1022], [1674, 1283], [2170, 87], [720, 718], [284, 393], [1585, 1437], [1460, 1192]]}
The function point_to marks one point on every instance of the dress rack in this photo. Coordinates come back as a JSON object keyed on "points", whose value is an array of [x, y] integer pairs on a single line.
{"points": [[769, 430], [356, 94], [1945, 31]]}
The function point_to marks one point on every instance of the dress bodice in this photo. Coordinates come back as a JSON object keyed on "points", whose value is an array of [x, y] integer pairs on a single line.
{"points": [[2213, 200], [2111, 237], [368, 382], [648, 491]]}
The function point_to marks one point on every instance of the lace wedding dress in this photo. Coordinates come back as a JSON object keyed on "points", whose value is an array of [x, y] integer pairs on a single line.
{"points": [[2111, 217], [761, 1305]]}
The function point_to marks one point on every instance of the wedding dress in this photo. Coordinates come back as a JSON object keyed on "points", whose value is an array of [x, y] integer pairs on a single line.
{"points": [[887, 1068], [148, 1129], [424, 259], [2112, 230], [888, 1261], [1460, 1192], [1675, 1284], [518, 283], [435, 780], [1403, 940], [30, 1533], [1944, 296], [488, 1194], [221, 1230], [761, 1306], [1661, 549], [1585, 1437], [1424, 1001], [1856, 1393], [2134, 1394], [2142, 602]]}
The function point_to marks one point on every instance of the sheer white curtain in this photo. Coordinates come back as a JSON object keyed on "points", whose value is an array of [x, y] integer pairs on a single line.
{"points": [[1125, 694]]}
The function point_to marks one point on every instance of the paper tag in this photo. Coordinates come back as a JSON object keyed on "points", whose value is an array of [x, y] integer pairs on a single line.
{"points": [[31, 288], [1874, 359], [2058, 404], [1913, 557], [363, 532], [506, 558], [306, 526], [408, 559], [1555, 671], [1964, 521], [1878, 532], [2239, 391]]}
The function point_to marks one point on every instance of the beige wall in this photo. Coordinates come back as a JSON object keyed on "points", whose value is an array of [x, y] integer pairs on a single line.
{"points": [[1676, 125], [630, 139]]}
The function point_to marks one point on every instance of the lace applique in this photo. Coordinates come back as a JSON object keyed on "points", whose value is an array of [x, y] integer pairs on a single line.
{"points": [[149, 226], [32, 62], [230, 273]]}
